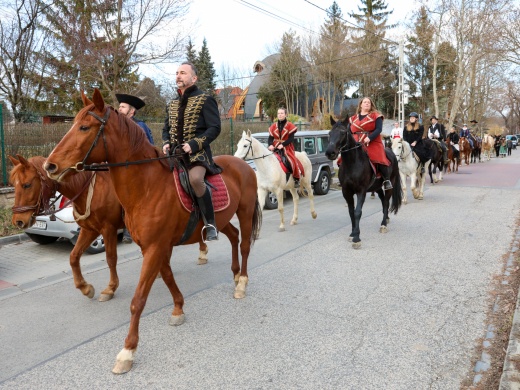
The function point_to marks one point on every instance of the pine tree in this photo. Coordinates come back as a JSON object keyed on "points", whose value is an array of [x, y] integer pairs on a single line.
{"points": [[191, 54], [206, 71], [373, 63], [330, 60]]}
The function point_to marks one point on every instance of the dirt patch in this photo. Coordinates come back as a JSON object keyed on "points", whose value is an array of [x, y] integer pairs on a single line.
{"points": [[501, 308]]}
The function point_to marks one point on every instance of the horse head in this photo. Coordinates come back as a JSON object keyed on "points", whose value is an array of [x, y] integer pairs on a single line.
{"points": [[398, 148], [32, 192], [338, 137], [80, 144], [245, 146]]}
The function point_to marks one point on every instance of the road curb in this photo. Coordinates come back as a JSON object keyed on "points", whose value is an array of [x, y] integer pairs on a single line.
{"points": [[510, 379], [17, 238]]}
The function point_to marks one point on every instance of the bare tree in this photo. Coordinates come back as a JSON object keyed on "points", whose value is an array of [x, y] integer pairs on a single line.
{"points": [[21, 66]]}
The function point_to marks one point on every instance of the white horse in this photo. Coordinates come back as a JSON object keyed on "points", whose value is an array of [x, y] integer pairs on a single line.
{"points": [[409, 167], [272, 178], [488, 144]]}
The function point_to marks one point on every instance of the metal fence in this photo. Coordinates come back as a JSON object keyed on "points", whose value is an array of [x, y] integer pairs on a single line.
{"points": [[36, 139]]}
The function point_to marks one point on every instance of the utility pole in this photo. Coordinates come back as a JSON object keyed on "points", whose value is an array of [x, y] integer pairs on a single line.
{"points": [[401, 89]]}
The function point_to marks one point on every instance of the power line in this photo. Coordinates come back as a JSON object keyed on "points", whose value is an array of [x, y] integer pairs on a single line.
{"points": [[355, 25]]}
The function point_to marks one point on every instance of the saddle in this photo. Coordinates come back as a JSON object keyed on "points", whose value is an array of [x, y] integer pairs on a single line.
{"points": [[284, 161], [220, 196], [438, 143]]}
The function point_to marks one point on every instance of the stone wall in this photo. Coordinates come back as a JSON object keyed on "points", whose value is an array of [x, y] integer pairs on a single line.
{"points": [[7, 197]]}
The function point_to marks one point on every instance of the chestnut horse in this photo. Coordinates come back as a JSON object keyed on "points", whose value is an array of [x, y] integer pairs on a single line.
{"points": [[465, 150], [155, 215], [101, 214], [357, 176], [477, 149], [453, 162]]}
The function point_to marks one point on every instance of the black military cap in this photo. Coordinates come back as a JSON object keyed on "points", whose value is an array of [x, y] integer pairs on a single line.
{"points": [[134, 101], [473, 121]]}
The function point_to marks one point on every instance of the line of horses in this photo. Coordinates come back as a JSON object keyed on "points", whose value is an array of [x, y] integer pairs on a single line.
{"points": [[136, 168]]}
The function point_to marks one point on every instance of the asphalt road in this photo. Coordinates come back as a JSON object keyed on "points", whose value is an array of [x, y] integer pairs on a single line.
{"points": [[406, 311]]}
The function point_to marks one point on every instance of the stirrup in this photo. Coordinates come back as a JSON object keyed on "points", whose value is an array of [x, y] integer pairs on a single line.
{"points": [[387, 185], [208, 236]]}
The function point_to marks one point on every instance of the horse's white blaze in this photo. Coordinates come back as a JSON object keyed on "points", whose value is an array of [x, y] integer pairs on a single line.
{"points": [[272, 178]]}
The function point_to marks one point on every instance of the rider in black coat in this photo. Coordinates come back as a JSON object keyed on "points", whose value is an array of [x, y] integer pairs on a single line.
{"points": [[413, 133]]}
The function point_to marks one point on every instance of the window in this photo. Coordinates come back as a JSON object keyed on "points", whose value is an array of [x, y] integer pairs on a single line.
{"points": [[322, 144], [310, 147]]}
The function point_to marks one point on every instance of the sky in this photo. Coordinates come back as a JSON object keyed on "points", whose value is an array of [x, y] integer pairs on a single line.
{"points": [[241, 32]]}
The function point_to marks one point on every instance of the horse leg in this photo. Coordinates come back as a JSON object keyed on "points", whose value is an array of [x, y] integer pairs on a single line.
{"points": [[385, 202], [279, 197], [85, 238], [203, 253], [310, 194], [155, 259], [232, 233], [403, 185], [356, 240], [110, 238], [413, 184], [296, 202]]}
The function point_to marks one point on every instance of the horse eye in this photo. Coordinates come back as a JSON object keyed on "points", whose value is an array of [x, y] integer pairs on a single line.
{"points": [[26, 185], [84, 128]]}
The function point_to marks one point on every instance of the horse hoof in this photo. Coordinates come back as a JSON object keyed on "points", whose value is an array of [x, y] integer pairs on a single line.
{"points": [[124, 362], [91, 291], [350, 239], [281, 229], [202, 261], [420, 197], [294, 222], [356, 245], [103, 297], [383, 229], [314, 215], [240, 289], [177, 320]]}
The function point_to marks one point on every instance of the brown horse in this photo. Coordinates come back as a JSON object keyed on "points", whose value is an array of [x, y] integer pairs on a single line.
{"points": [[100, 213], [154, 213], [453, 164], [465, 150]]}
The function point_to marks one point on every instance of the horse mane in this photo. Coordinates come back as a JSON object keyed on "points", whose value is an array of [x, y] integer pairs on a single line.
{"points": [[136, 135]]}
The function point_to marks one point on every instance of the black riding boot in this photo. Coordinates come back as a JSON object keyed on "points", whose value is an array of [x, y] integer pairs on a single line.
{"points": [[385, 173], [208, 215]]}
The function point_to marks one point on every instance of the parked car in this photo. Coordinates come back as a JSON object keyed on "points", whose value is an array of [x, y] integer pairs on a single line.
{"points": [[46, 230], [513, 139], [314, 143]]}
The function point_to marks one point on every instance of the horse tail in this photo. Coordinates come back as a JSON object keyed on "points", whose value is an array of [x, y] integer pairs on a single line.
{"points": [[397, 194], [256, 223]]}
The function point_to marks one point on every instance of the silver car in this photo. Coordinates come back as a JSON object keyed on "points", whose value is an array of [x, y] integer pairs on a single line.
{"points": [[46, 230], [314, 143]]}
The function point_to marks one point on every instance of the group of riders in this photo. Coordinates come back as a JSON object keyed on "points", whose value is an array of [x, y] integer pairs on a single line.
{"points": [[414, 134]]}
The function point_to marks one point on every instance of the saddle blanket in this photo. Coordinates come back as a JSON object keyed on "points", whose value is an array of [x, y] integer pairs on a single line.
{"points": [[219, 192]]}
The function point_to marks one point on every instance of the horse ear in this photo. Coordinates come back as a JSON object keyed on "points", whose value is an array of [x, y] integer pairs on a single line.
{"points": [[22, 160], [14, 160], [332, 121], [85, 99], [98, 100], [248, 133]]}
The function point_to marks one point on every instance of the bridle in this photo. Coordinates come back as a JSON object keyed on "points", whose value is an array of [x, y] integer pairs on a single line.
{"points": [[82, 166], [343, 133], [43, 205], [250, 149]]}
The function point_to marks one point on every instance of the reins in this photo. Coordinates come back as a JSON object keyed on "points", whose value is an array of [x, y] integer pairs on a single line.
{"points": [[82, 166]]}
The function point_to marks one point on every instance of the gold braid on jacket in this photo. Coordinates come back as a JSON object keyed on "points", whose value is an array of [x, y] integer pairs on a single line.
{"points": [[191, 116]]}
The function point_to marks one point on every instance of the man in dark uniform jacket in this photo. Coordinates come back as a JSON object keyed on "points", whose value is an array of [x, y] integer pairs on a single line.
{"points": [[192, 123], [436, 131], [413, 133]]}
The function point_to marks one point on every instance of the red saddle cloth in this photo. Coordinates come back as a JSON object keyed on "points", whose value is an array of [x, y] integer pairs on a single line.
{"points": [[284, 168], [219, 192]]}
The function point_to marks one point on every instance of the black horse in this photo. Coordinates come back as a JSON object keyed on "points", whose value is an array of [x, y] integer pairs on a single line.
{"points": [[357, 176]]}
